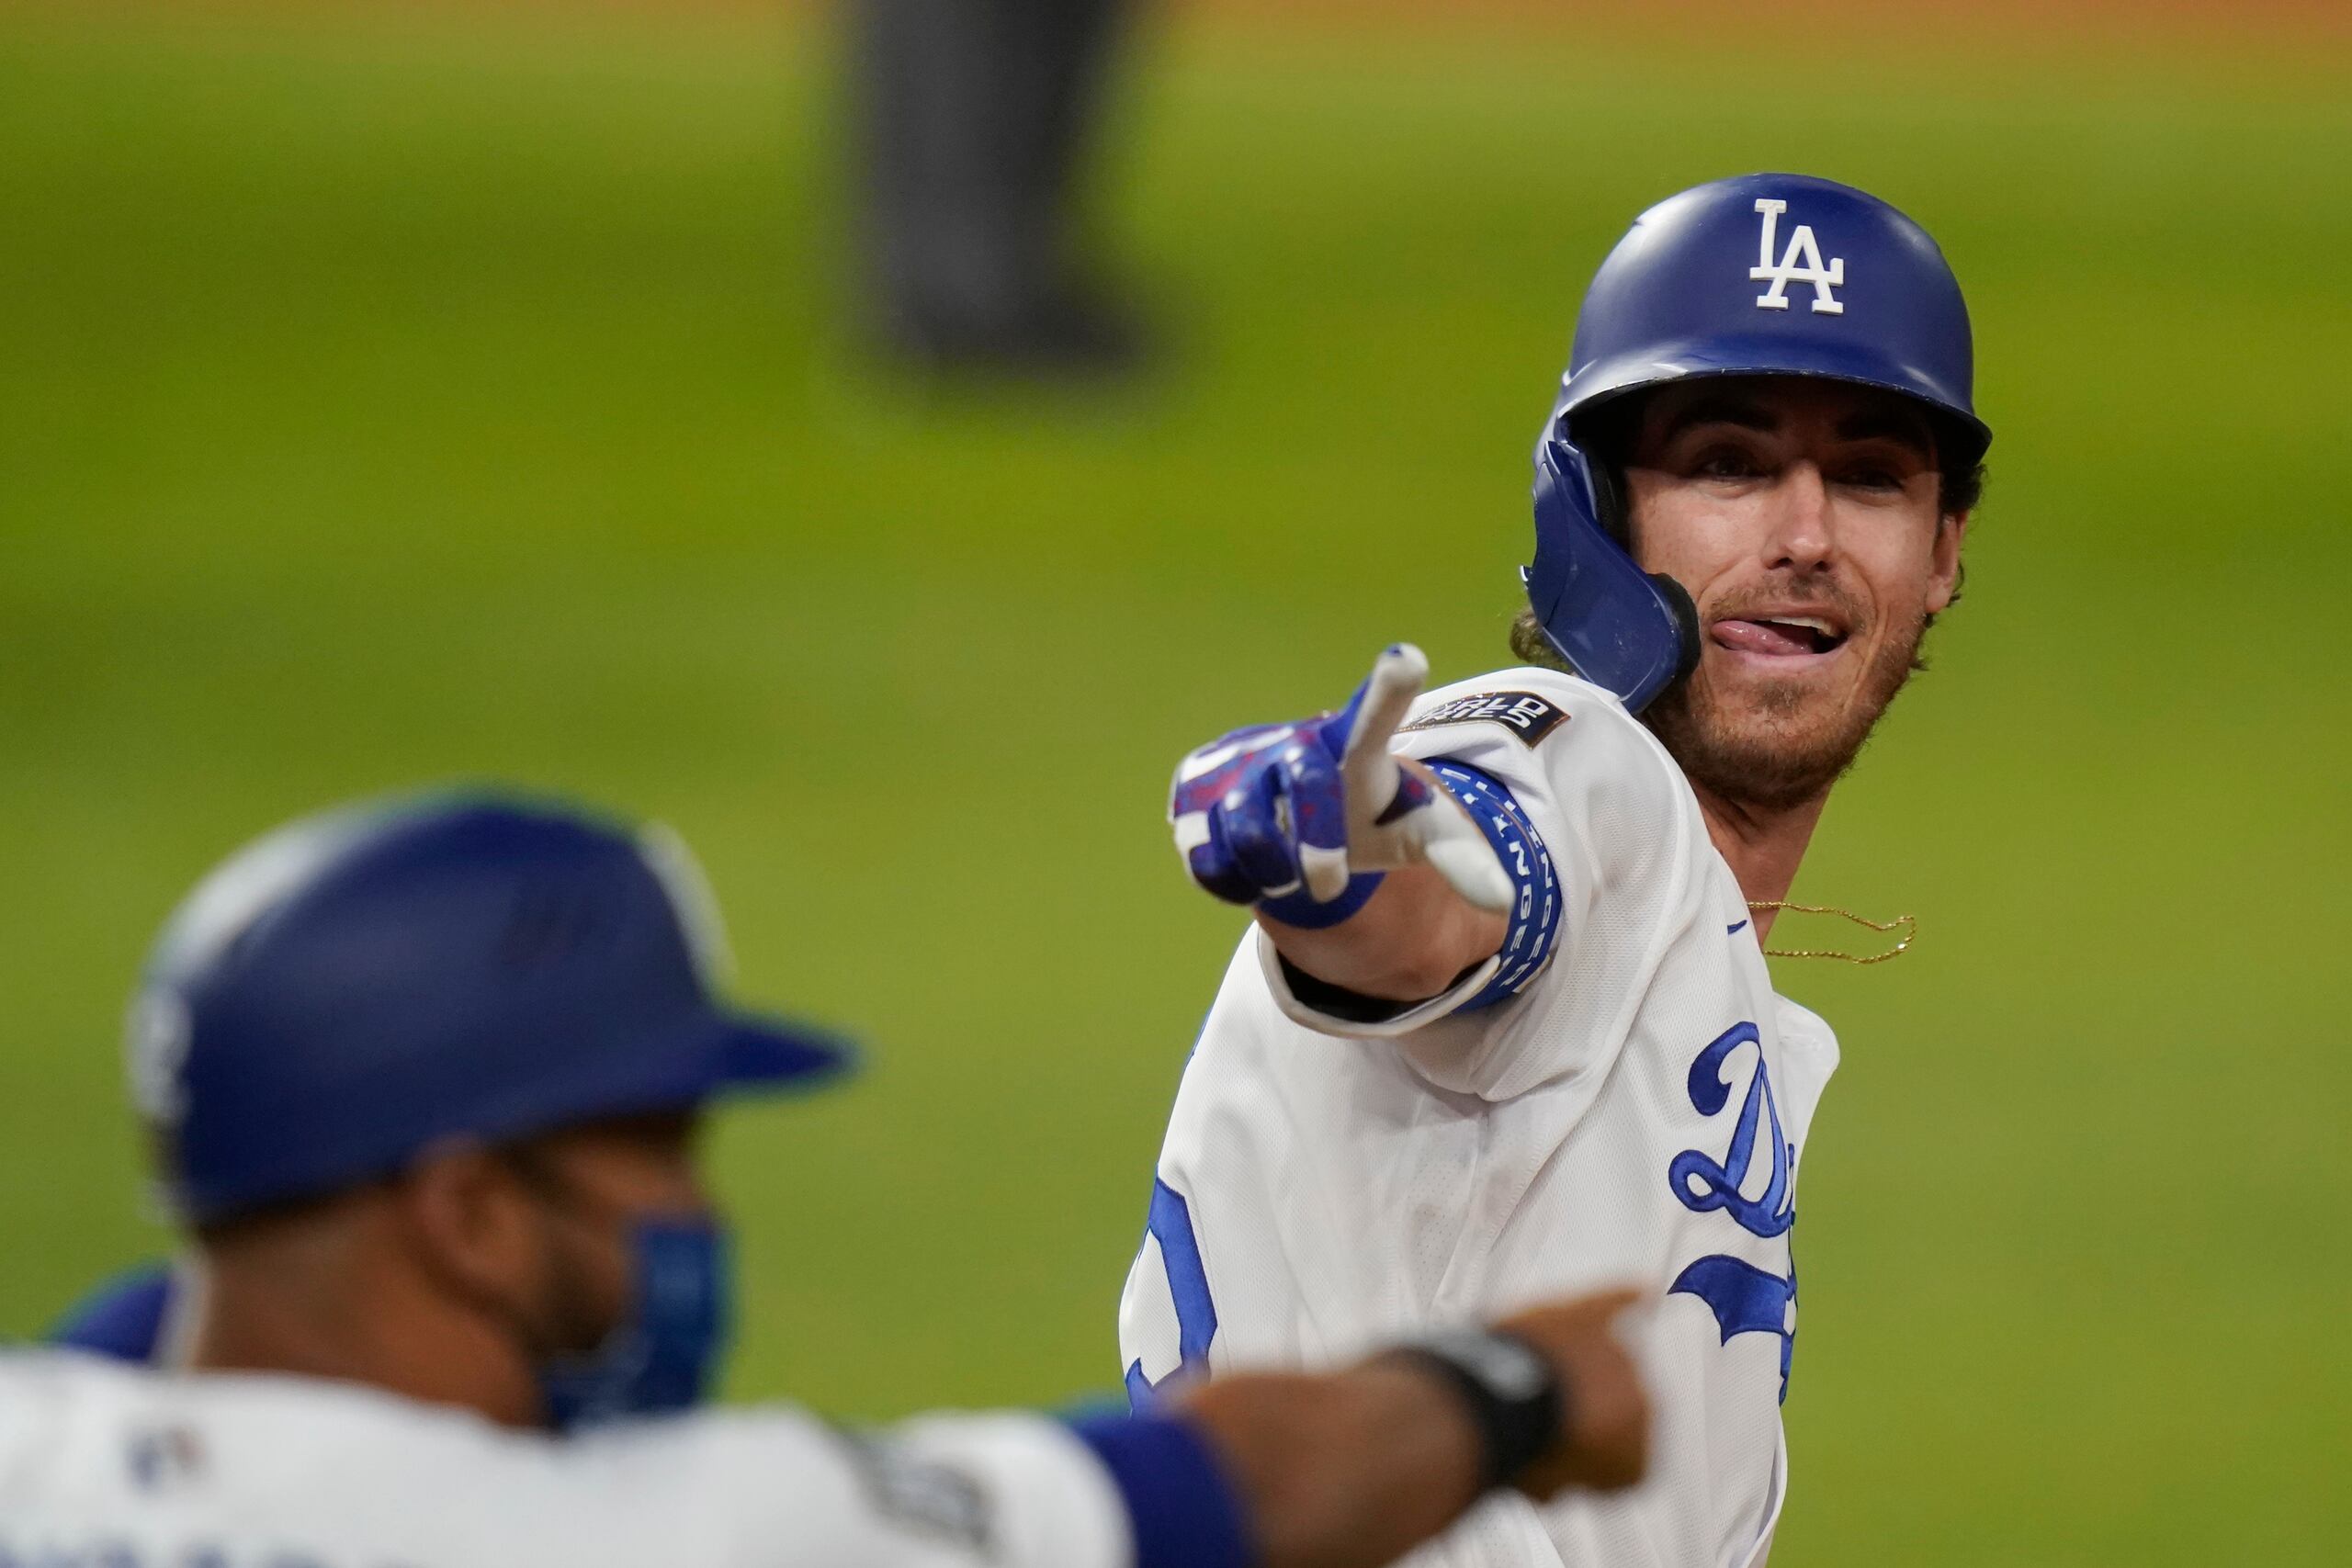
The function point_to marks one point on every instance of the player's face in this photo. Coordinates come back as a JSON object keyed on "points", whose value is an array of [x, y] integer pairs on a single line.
{"points": [[1802, 516]]}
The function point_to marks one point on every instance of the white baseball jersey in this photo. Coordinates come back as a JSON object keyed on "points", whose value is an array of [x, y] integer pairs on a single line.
{"points": [[105, 1465], [1634, 1115]]}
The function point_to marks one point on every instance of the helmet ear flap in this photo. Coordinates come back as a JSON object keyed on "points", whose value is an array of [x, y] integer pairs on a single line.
{"points": [[1614, 511], [1625, 630]]}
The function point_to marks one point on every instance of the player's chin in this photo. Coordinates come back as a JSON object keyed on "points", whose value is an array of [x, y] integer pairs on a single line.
{"points": [[1805, 702], [1797, 701], [1762, 692]]}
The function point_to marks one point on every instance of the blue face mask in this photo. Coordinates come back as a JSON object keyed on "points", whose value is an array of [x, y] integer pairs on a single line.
{"points": [[661, 1357]]}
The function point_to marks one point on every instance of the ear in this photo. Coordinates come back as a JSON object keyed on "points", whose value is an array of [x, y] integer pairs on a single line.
{"points": [[1943, 567], [470, 1225]]}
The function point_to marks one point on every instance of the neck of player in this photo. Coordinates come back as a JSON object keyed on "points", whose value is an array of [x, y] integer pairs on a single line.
{"points": [[1763, 845], [320, 1302]]}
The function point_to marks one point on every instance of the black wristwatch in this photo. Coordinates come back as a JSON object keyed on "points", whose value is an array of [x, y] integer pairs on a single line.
{"points": [[1514, 1398]]}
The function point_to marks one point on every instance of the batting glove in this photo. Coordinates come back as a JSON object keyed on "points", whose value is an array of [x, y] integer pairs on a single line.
{"points": [[1305, 817]]}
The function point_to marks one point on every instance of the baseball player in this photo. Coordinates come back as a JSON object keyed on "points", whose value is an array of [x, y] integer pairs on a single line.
{"points": [[1504, 1028], [423, 1081]]}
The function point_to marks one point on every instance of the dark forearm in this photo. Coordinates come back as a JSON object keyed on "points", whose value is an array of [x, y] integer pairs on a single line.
{"points": [[1344, 1471], [1353, 1469]]}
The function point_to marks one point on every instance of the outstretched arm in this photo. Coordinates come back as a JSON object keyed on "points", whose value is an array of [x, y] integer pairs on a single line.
{"points": [[1354, 1469], [1413, 938], [1346, 1469], [1374, 876]]}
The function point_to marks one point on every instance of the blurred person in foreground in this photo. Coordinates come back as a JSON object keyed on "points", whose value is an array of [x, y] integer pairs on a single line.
{"points": [[1504, 1026], [424, 1081], [973, 119]]}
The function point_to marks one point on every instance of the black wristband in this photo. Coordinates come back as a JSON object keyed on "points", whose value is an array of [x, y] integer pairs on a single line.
{"points": [[1514, 1398]]}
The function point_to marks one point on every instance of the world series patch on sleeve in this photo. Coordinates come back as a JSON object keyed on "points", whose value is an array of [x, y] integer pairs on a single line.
{"points": [[1528, 716]]}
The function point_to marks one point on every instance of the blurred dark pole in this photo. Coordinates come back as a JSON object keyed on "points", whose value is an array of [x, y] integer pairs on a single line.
{"points": [[974, 119]]}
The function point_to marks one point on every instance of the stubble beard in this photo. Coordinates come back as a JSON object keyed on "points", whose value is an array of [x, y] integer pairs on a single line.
{"points": [[1770, 746]]}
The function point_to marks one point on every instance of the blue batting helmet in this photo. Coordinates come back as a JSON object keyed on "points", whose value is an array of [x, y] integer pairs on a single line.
{"points": [[347, 990], [1764, 274]]}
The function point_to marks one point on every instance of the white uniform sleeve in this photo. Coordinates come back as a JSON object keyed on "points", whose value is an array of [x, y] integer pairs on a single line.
{"points": [[105, 1464], [940, 1492], [1615, 820]]}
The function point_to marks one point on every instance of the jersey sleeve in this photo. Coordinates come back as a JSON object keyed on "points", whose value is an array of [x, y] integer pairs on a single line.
{"points": [[1108, 1491], [938, 1492], [1590, 818], [1532, 926], [98, 1460]]}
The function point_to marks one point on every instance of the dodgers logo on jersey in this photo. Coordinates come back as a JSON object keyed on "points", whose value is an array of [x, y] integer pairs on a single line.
{"points": [[1703, 1184], [1800, 263], [1744, 1298]]}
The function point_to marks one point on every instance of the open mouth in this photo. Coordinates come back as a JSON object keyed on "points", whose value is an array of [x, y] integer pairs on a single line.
{"points": [[1779, 636]]}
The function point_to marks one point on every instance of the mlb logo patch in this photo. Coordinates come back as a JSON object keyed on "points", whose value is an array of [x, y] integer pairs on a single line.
{"points": [[1524, 714]]}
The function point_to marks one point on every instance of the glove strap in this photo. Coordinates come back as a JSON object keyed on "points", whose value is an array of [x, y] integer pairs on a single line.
{"points": [[1296, 909]]}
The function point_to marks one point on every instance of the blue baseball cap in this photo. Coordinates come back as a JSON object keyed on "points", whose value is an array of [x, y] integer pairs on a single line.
{"points": [[1778, 275], [350, 989]]}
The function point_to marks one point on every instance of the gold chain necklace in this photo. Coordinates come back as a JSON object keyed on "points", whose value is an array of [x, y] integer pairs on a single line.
{"points": [[1909, 925]]}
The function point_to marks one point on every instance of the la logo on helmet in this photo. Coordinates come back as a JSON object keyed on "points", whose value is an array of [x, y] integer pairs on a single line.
{"points": [[1800, 263]]}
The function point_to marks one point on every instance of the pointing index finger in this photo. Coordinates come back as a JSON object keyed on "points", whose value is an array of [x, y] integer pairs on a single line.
{"points": [[1395, 681]]}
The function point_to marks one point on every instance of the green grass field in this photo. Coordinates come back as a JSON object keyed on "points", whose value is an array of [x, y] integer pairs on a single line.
{"points": [[382, 404]]}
